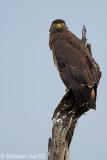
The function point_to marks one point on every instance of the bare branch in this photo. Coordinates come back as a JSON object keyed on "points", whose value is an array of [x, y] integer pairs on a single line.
{"points": [[64, 120]]}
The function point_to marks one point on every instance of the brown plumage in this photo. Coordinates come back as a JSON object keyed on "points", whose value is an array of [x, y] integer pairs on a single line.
{"points": [[77, 68]]}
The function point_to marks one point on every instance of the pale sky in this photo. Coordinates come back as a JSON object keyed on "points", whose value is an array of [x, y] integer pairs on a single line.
{"points": [[30, 87]]}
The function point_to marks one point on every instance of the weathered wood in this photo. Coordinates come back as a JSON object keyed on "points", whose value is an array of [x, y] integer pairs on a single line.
{"points": [[64, 120]]}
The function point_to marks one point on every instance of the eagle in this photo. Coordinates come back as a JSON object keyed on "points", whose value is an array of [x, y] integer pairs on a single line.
{"points": [[75, 63]]}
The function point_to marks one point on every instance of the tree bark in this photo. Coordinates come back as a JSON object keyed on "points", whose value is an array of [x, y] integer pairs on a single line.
{"points": [[64, 121]]}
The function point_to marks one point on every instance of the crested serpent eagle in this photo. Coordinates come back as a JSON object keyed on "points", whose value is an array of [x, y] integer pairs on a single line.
{"points": [[77, 68]]}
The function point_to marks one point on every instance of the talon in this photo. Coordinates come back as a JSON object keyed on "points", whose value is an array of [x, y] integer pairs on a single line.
{"points": [[93, 94]]}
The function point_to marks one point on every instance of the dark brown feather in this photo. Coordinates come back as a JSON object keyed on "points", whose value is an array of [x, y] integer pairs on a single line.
{"points": [[77, 68]]}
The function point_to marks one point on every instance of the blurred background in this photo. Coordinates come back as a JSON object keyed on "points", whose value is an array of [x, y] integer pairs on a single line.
{"points": [[30, 87]]}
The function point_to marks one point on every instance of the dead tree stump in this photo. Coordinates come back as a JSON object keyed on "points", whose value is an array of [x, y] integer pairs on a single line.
{"points": [[64, 120]]}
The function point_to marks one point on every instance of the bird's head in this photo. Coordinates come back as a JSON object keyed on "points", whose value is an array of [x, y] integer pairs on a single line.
{"points": [[58, 25]]}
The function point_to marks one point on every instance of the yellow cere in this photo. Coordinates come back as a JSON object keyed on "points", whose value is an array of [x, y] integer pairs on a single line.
{"points": [[58, 25]]}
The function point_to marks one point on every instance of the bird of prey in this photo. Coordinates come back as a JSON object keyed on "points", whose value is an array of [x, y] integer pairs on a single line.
{"points": [[77, 68]]}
